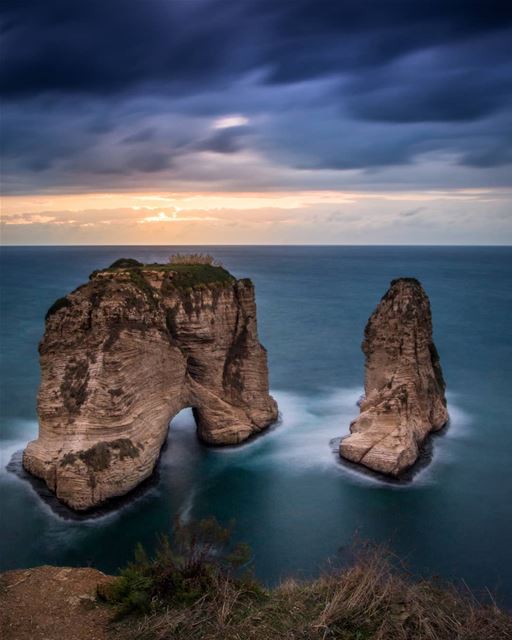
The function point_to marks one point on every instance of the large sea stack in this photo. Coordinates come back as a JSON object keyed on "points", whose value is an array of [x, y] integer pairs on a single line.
{"points": [[127, 351], [404, 387]]}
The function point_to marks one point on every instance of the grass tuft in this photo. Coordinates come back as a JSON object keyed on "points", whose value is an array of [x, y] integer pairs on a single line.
{"points": [[193, 565], [125, 263]]}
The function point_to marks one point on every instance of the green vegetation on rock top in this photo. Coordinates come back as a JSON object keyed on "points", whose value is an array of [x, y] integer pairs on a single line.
{"points": [[185, 275], [59, 304], [190, 275], [125, 263]]}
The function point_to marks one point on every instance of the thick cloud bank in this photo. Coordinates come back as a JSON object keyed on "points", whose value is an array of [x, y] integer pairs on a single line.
{"points": [[256, 94]]}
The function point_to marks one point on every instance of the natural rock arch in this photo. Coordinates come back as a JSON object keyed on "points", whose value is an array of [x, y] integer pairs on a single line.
{"points": [[123, 354]]}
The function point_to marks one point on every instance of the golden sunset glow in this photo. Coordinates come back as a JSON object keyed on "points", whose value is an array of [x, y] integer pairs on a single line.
{"points": [[12, 205], [248, 218]]}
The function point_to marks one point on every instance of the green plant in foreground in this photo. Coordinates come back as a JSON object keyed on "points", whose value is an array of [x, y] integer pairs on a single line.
{"points": [[186, 567], [190, 590]]}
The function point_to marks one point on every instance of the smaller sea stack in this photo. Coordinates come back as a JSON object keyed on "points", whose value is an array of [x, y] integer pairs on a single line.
{"points": [[404, 386]]}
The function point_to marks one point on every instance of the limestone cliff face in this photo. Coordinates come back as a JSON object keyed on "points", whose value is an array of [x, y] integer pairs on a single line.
{"points": [[404, 386], [123, 354]]}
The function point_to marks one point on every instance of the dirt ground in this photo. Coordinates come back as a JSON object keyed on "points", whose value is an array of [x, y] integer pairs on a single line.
{"points": [[31, 610]]}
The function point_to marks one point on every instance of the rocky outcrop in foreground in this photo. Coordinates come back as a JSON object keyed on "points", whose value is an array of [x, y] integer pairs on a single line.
{"points": [[53, 603], [123, 354], [404, 387]]}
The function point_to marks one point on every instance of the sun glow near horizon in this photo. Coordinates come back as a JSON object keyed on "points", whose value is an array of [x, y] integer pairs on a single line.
{"points": [[321, 216]]}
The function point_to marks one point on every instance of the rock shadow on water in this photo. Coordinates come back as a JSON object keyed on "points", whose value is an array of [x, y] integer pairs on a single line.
{"points": [[111, 506], [115, 504]]}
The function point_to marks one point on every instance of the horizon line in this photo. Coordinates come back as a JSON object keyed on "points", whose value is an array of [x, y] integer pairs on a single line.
{"points": [[288, 244]]}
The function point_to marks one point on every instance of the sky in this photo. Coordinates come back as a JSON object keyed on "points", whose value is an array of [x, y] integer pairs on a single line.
{"points": [[256, 121]]}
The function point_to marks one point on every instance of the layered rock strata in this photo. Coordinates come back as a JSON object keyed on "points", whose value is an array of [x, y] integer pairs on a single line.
{"points": [[404, 387], [123, 354]]}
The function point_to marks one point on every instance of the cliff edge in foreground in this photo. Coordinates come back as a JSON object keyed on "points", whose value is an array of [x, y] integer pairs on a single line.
{"points": [[404, 387], [371, 599], [123, 354]]}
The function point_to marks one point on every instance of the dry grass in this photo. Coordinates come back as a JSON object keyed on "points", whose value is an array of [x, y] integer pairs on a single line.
{"points": [[208, 617], [389, 604], [371, 600]]}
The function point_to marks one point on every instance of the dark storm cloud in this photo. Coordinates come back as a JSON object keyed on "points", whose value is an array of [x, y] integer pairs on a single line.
{"points": [[98, 47], [465, 81], [104, 47], [229, 140], [332, 37], [144, 135], [131, 86]]}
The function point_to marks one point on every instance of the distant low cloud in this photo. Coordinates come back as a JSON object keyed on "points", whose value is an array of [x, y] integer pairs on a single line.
{"points": [[303, 217], [30, 218], [173, 216]]}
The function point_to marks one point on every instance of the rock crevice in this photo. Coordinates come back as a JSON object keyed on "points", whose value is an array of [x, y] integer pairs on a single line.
{"points": [[404, 386], [124, 354]]}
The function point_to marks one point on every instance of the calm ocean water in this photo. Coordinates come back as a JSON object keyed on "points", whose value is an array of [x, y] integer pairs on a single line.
{"points": [[292, 500]]}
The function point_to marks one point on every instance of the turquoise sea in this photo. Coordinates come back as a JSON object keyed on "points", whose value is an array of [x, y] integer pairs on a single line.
{"points": [[292, 500]]}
